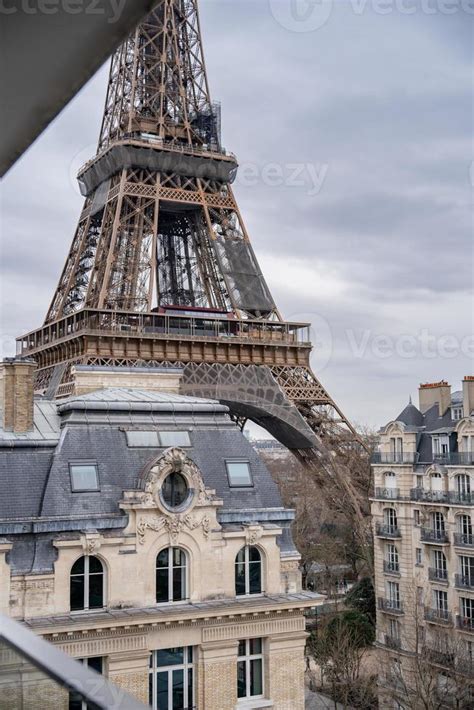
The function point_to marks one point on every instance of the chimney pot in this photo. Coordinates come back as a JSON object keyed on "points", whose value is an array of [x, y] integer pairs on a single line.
{"points": [[17, 393], [431, 393]]}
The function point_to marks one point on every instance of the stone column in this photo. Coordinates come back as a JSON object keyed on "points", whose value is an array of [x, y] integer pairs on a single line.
{"points": [[217, 676], [285, 670], [129, 671]]}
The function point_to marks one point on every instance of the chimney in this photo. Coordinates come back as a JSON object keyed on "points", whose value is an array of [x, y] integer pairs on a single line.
{"points": [[435, 393], [468, 395], [16, 393]]}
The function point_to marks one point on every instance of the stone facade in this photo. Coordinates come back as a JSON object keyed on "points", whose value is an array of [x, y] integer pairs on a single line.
{"points": [[423, 514]]}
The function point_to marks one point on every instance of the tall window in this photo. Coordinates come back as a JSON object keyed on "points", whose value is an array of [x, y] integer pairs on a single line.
{"points": [[437, 522], [463, 486], [87, 584], [394, 629], [439, 564], [248, 571], [465, 528], [171, 680], [467, 608], [250, 669], [392, 558], [393, 589], [436, 481], [467, 569], [171, 573], [441, 602], [96, 663], [390, 518]]}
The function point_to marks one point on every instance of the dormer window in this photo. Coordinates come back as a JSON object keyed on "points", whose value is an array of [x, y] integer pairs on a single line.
{"points": [[84, 476], [238, 473], [456, 413], [440, 445]]}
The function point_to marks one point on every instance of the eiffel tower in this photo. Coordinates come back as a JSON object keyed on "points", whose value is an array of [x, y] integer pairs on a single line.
{"points": [[161, 271]]}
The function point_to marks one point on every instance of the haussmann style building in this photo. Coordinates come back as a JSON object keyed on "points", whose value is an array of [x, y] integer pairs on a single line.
{"points": [[141, 533], [423, 516]]}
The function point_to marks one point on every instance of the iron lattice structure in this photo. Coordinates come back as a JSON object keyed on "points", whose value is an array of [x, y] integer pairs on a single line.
{"points": [[161, 270]]}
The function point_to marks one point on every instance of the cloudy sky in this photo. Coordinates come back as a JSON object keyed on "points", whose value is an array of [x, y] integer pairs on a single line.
{"points": [[352, 123]]}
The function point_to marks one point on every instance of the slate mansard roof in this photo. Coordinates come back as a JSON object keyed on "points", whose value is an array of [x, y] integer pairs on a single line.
{"points": [[37, 503]]}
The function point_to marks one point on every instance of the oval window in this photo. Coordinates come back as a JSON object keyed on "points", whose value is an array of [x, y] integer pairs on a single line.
{"points": [[174, 490]]}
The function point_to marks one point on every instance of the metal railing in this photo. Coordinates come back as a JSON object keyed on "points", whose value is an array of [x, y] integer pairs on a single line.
{"points": [[464, 539], [393, 606], [464, 581], [441, 616], [383, 530], [441, 658], [387, 493], [455, 458], [465, 622], [154, 325], [432, 535], [393, 642], [436, 574], [391, 567], [455, 497], [394, 457]]}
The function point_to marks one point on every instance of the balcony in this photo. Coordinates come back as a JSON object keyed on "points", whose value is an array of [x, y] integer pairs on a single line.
{"points": [[391, 606], [466, 623], [434, 537], [435, 574], [441, 658], [387, 493], [456, 458], [464, 539], [438, 616], [465, 498], [390, 531], [423, 495], [390, 567], [395, 457], [464, 581], [392, 642]]}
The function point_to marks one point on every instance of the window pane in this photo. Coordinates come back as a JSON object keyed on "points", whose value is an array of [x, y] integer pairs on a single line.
{"points": [[84, 477], [142, 438], [96, 591], [241, 648], [178, 690], [162, 691], [179, 557], [254, 554], [256, 677], [162, 558], [240, 578], [95, 565], [95, 663], [174, 490], [170, 657], [240, 555], [255, 578], [77, 592], [179, 584], [190, 688], [78, 566], [150, 687], [238, 473], [175, 438], [255, 646], [75, 701], [162, 585], [241, 680]]}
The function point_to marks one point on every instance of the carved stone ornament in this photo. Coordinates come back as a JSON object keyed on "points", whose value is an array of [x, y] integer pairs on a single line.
{"points": [[174, 525], [253, 534], [174, 459]]}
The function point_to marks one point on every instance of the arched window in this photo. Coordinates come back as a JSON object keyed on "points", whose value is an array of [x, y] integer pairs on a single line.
{"points": [[248, 571], [171, 575], [390, 479], [87, 584], [464, 534], [436, 480]]}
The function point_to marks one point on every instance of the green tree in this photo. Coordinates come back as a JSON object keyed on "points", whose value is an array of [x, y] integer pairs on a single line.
{"points": [[362, 598]]}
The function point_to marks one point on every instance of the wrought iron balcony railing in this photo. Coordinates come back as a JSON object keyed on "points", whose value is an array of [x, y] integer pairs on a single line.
{"points": [[391, 567], [441, 658], [464, 581], [383, 530], [435, 574], [465, 498], [394, 457], [392, 606], [464, 539], [422, 494], [387, 493], [465, 622], [455, 458], [435, 536], [392, 641], [438, 615]]}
